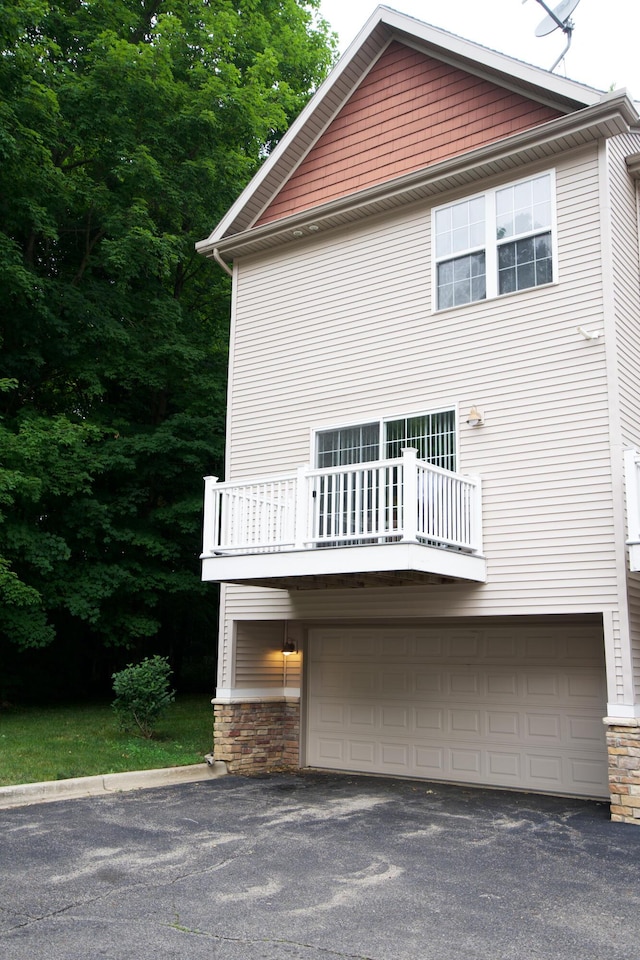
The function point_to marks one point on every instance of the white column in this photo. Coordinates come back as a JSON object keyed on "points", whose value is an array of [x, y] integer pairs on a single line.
{"points": [[410, 494], [210, 517], [302, 508]]}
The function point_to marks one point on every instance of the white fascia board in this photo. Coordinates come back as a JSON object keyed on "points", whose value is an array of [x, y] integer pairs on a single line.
{"points": [[428, 37]]}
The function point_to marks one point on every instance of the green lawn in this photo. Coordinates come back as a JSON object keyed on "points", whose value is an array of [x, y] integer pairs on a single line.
{"points": [[54, 743]]}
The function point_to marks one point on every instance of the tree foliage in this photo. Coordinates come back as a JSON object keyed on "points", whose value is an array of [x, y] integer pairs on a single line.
{"points": [[127, 128]]}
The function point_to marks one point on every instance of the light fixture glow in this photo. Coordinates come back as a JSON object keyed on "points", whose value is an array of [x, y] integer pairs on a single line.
{"points": [[475, 417], [288, 647]]}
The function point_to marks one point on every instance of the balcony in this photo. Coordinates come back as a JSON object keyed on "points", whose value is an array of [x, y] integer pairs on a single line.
{"points": [[383, 523]]}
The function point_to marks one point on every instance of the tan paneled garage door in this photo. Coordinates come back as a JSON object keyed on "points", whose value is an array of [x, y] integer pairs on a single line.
{"points": [[511, 706]]}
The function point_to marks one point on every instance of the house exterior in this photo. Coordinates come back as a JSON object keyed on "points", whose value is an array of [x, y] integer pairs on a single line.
{"points": [[425, 539]]}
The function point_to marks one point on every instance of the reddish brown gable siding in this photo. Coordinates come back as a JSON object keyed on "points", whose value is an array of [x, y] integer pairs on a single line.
{"points": [[409, 112]]}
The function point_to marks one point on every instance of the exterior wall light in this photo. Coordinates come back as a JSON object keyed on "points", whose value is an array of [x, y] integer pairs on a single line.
{"points": [[475, 417], [288, 647]]}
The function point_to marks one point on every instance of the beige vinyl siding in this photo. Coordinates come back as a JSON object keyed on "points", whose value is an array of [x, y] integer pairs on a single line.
{"points": [[625, 266], [259, 660], [340, 329], [225, 643], [633, 597]]}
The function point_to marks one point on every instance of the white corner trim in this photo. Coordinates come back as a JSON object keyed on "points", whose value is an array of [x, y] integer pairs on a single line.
{"points": [[622, 714], [255, 695]]}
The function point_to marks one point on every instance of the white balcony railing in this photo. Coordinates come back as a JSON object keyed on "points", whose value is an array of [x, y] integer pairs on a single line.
{"points": [[385, 501]]}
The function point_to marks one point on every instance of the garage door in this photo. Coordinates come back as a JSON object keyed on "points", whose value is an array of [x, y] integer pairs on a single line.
{"points": [[510, 706]]}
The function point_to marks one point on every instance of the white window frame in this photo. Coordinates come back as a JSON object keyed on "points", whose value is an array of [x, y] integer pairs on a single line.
{"points": [[490, 248], [381, 421]]}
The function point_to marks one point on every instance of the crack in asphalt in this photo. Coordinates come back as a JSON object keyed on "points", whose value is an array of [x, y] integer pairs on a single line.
{"points": [[271, 940]]}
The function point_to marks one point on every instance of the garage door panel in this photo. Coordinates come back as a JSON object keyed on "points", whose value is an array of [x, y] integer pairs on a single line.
{"points": [[397, 718], [330, 750], [331, 714], [465, 763], [465, 722], [330, 680], [505, 767], [545, 771], [502, 686], [429, 720], [502, 724], [395, 756], [585, 773], [542, 686], [466, 682], [398, 682], [543, 727], [500, 648], [533, 725], [363, 753], [428, 682], [583, 685], [462, 643], [585, 730], [363, 681], [362, 715], [429, 762], [541, 647]]}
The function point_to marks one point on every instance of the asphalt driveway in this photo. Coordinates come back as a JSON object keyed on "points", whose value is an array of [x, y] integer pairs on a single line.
{"points": [[318, 867]]}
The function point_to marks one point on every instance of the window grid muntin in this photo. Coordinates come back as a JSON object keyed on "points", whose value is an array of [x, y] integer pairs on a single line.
{"points": [[538, 190], [538, 266], [491, 249], [433, 434], [359, 443]]}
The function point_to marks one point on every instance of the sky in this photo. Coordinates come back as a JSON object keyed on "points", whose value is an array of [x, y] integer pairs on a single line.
{"points": [[605, 48]]}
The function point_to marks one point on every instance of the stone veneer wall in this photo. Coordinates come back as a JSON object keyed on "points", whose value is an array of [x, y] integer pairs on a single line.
{"points": [[623, 746], [253, 737]]}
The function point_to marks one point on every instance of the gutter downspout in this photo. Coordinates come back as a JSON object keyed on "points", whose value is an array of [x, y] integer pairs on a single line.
{"points": [[219, 260]]}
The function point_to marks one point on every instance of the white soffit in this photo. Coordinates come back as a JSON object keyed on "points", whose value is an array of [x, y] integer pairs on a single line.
{"points": [[382, 27]]}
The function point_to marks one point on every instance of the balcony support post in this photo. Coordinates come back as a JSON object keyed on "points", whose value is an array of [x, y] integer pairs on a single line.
{"points": [[409, 495], [476, 514], [302, 520], [210, 517]]}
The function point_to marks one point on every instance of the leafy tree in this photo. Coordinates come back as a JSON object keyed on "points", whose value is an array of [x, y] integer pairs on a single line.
{"points": [[127, 128]]}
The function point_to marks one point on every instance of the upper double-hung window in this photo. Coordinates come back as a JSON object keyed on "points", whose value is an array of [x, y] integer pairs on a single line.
{"points": [[494, 243]]}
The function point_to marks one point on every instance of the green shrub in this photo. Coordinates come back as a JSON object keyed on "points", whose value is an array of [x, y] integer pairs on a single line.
{"points": [[142, 693]]}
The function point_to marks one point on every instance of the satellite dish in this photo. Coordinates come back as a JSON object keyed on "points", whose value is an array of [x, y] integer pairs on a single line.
{"points": [[556, 18]]}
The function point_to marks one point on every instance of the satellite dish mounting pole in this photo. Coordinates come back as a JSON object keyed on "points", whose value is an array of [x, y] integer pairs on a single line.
{"points": [[567, 29], [554, 20]]}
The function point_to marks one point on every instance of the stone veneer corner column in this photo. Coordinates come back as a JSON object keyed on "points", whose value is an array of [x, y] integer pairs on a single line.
{"points": [[623, 747], [257, 736]]}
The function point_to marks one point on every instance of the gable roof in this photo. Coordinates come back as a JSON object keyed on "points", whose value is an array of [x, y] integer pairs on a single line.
{"points": [[553, 99]]}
